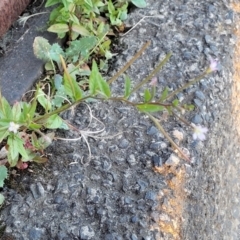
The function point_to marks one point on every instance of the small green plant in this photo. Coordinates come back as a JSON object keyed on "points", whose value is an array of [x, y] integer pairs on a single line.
{"points": [[88, 18], [25, 127]]}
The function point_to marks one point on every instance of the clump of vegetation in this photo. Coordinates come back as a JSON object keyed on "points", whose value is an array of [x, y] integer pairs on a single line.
{"points": [[73, 79]]}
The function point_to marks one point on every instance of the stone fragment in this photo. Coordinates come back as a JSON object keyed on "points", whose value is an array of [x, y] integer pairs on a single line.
{"points": [[86, 233], [152, 130], [124, 143], [172, 160], [36, 233], [40, 189], [150, 195], [131, 160], [197, 119], [157, 161]]}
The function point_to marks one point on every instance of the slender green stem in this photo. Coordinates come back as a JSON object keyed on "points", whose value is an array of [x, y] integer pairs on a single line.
{"points": [[61, 109], [153, 73], [182, 119], [156, 103], [122, 99], [159, 126], [195, 80], [128, 64]]}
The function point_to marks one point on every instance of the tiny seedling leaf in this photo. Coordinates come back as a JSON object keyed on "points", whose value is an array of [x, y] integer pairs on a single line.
{"points": [[147, 95], [189, 107], [175, 102], [164, 95]]}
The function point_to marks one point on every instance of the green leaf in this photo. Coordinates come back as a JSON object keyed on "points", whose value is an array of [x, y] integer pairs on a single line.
{"points": [[55, 52], [3, 134], [28, 111], [80, 29], [53, 122], [46, 140], [67, 4], [164, 95], [34, 140], [81, 47], [34, 126], [58, 80], [96, 82], [42, 142], [111, 8], [12, 161], [44, 100], [39, 159], [89, 2], [55, 13], [5, 108], [72, 88], [127, 88], [175, 102], [4, 123], [1, 199], [60, 97], [139, 3], [123, 16], [3, 176], [148, 107], [49, 66], [189, 107], [52, 2], [21, 148], [73, 17], [153, 91], [31, 156], [16, 111], [64, 126], [147, 95], [59, 28], [41, 48], [15, 146]]}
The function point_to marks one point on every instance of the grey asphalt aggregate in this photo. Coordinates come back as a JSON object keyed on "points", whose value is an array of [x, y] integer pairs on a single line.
{"points": [[135, 187]]}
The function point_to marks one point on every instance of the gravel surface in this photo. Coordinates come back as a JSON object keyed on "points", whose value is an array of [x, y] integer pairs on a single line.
{"points": [[134, 187]]}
